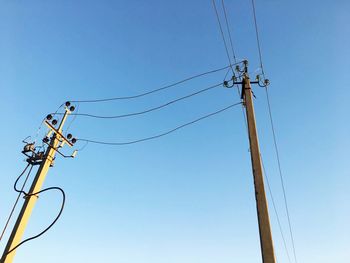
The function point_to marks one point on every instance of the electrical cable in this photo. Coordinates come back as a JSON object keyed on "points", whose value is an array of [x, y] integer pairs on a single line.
{"points": [[53, 222], [27, 195], [83, 147], [275, 209], [148, 110], [273, 131], [19, 177], [280, 173], [162, 134], [155, 90], [222, 35], [16, 202], [228, 71], [229, 31], [232, 49], [258, 38]]}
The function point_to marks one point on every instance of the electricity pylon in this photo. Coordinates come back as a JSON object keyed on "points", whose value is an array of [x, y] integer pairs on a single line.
{"points": [[54, 140]]}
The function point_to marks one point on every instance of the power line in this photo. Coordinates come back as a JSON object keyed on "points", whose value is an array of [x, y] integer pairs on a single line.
{"points": [[148, 110], [275, 209], [222, 34], [258, 38], [229, 31], [273, 131], [162, 134], [280, 172], [155, 90], [234, 56]]}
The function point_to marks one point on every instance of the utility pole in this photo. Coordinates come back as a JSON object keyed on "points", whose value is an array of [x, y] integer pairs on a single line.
{"points": [[266, 242], [45, 160]]}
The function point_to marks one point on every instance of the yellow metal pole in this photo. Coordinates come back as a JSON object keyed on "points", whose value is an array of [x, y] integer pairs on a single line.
{"points": [[266, 241], [29, 203]]}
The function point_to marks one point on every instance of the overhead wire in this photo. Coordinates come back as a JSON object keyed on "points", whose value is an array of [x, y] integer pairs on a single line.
{"points": [[281, 174], [258, 38], [21, 191], [161, 134], [222, 34], [154, 90], [233, 52], [274, 133], [275, 209], [148, 110], [229, 31]]}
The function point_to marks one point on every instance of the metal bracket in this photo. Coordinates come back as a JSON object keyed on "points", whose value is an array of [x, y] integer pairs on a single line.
{"points": [[34, 158]]}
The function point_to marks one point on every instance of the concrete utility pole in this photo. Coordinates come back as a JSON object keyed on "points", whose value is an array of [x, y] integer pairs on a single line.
{"points": [[266, 243], [56, 141]]}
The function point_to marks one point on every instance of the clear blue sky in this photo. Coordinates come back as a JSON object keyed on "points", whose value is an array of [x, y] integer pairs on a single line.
{"points": [[187, 197]]}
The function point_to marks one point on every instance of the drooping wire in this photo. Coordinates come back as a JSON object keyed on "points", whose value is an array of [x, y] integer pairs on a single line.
{"points": [[280, 173], [275, 209], [148, 110], [83, 147], [273, 132], [155, 90], [162, 134], [16, 202]]}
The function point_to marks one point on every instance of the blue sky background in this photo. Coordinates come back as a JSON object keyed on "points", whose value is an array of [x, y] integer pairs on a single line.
{"points": [[187, 197]]}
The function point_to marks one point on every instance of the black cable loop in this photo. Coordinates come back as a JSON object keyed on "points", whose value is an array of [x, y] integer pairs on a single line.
{"points": [[27, 195], [17, 199], [53, 222]]}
